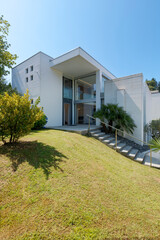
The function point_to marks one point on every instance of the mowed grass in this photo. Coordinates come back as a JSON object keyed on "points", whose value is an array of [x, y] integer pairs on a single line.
{"points": [[61, 185]]}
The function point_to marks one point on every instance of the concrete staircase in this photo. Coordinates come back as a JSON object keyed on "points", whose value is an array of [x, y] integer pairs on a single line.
{"points": [[122, 146]]}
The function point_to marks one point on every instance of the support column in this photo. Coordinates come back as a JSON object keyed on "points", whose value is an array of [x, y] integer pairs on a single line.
{"points": [[73, 107], [98, 92]]}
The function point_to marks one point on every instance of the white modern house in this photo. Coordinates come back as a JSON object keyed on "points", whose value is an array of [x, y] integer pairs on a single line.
{"points": [[75, 84]]}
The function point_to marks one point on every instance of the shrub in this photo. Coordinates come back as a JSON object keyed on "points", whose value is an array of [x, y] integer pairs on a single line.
{"points": [[155, 144], [17, 116], [40, 123], [116, 117], [153, 128]]}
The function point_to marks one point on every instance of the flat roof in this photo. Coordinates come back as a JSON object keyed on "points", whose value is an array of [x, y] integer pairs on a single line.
{"points": [[82, 53]]}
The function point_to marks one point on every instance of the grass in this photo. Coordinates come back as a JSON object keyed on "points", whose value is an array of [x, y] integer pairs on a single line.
{"points": [[60, 185]]}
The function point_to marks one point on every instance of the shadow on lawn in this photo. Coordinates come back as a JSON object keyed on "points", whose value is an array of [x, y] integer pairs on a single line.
{"points": [[37, 154]]}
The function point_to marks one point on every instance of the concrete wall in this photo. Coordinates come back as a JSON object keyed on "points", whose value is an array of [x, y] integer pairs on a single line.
{"points": [[155, 106], [19, 76], [46, 83], [152, 105], [128, 92], [51, 92], [147, 105]]}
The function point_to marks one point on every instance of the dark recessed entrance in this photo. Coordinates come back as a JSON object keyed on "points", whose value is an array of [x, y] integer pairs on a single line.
{"points": [[67, 101]]}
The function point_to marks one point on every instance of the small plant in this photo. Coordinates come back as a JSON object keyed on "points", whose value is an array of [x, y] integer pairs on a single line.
{"points": [[155, 144], [153, 128], [116, 117], [17, 116], [40, 123]]}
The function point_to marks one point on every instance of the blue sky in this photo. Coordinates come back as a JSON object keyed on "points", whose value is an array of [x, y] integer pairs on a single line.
{"points": [[123, 35]]}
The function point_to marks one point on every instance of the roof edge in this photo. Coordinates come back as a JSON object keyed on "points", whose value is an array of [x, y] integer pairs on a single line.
{"points": [[32, 57]]}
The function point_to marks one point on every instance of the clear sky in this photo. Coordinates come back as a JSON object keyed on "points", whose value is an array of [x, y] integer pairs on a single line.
{"points": [[123, 35]]}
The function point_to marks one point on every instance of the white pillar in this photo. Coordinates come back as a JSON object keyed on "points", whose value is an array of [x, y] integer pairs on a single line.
{"points": [[98, 92], [73, 107]]}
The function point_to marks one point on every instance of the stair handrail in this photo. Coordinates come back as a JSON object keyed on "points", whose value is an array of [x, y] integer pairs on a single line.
{"points": [[123, 132]]}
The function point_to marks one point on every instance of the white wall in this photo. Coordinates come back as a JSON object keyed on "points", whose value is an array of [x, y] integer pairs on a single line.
{"points": [[152, 105], [155, 106], [51, 92], [128, 92], [147, 104], [46, 83], [19, 77]]}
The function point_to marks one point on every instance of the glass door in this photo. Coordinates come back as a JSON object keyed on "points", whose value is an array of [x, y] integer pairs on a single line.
{"points": [[67, 101], [67, 114]]}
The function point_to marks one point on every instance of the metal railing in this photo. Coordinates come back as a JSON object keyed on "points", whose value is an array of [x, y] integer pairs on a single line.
{"points": [[122, 132]]}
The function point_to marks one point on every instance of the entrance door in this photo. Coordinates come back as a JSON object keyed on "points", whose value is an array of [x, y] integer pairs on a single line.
{"points": [[67, 114]]}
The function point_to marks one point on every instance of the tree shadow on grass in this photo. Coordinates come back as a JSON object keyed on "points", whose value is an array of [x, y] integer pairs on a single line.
{"points": [[37, 154]]}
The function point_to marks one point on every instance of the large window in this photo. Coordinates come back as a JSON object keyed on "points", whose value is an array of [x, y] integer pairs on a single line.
{"points": [[82, 109], [85, 88], [67, 88], [103, 80]]}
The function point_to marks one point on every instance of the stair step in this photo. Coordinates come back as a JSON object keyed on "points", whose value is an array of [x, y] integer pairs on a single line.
{"points": [[101, 138], [108, 140], [113, 143], [98, 134], [126, 149], [140, 157], [132, 154], [95, 131], [120, 146]]}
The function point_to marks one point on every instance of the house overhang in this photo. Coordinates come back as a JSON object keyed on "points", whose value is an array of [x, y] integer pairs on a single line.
{"points": [[77, 63]]}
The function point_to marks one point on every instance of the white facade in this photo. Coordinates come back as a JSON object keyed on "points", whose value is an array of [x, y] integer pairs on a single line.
{"points": [[127, 92], [72, 85], [47, 81], [155, 105], [46, 84]]}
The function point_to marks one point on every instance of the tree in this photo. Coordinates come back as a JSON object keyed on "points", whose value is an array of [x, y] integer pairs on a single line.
{"points": [[7, 60], [17, 116], [116, 117], [152, 84]]}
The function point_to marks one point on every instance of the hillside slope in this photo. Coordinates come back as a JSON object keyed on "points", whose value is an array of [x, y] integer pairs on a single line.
{"points": [[60, 185]]}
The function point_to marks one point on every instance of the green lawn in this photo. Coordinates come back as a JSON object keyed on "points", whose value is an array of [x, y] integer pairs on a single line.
{"points": [[60, 185]]}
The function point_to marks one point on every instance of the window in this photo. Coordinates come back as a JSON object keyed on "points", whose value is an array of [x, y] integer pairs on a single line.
{"points": [[104, 79], [67, 88], [82, 109], [31, 68], [26, 70], [31, 101], [31, 77], [85, 88], [26, 79]]}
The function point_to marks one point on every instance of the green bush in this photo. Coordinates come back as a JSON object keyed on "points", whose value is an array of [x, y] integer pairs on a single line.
{"points": [[39, 124], [153, 128], [116, 117], [17, 116]]}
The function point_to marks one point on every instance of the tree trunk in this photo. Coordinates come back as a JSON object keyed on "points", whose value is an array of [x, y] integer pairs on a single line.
{"points": [[110, 126], [11, 138], [104, 128]]}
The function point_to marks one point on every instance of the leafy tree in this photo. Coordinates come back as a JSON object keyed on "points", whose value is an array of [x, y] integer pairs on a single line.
{"points": [[116, 116], [39, 124], [17, 116], [152, 84], [7, 60]]}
